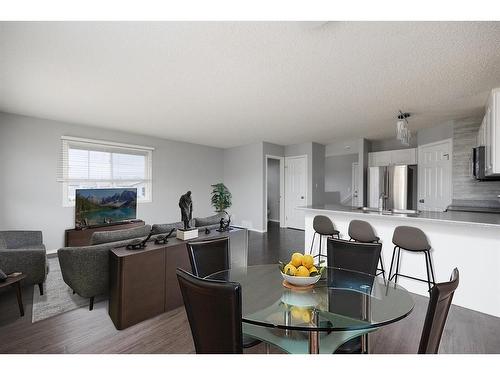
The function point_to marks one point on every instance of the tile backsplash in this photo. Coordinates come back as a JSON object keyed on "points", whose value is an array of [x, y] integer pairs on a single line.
{"points": [[465, 188]]}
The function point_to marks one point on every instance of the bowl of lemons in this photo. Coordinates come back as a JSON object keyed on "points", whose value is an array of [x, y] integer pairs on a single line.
{"points": [[301, 270]]}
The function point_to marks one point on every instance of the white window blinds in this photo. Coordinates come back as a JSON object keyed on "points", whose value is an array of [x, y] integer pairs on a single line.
{"points": [[87, 163]]}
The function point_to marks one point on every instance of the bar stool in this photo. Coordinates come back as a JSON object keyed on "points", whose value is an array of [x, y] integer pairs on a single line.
{"points": [[323, 226], [412, 239], [362, 231]]}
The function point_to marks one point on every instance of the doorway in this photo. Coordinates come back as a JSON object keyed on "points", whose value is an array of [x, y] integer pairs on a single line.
{"points": [[434, 176], [274, 207], [295, 191]]}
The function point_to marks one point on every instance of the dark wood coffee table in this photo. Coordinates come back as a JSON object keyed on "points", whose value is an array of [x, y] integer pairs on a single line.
{"points": [[15, 282]]}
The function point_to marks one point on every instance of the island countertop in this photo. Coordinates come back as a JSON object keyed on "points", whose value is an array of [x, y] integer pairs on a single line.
{"points": [[469, 241], [472, 218]]}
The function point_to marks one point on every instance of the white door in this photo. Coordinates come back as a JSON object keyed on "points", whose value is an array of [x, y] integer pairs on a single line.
{"points": [[355, 187], [295, 190], [434, 176]]}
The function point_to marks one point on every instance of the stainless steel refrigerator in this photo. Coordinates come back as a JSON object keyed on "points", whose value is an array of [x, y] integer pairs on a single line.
{"points": [[395, 184]]}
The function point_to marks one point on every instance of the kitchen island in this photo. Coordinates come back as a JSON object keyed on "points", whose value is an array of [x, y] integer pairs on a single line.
{"points": [[469, 241]]}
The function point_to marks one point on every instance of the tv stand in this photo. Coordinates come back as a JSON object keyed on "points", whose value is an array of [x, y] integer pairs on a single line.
{"points": [[81, 237]]}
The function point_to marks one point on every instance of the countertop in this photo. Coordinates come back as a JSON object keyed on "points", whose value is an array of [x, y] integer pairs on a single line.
{"points": [[475, 218]]}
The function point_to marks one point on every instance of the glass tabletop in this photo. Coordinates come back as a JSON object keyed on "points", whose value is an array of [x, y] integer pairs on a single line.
{"points": [[342, 300]]}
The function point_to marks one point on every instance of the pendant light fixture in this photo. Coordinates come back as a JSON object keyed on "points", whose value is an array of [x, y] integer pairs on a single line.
{"points": [[402, 132]]}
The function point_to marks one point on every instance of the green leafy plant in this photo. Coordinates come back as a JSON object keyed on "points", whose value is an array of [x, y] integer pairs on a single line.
{"points": [[221, 197]]}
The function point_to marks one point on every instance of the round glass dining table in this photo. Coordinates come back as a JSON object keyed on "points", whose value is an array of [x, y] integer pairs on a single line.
{"points": [[342, 305]]}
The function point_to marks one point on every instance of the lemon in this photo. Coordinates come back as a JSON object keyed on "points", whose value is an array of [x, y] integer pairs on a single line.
{"points": [[296, 312], [302, 271], [290, 269], [297, 259], [306, 316], [313, 269], [307, 261]]}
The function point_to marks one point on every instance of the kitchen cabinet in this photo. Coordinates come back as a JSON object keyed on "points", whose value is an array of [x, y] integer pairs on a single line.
{"points": [[385, 158], [491, 130]]}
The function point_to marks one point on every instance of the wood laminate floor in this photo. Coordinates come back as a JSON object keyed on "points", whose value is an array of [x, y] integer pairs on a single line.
{"points": [[83, 331]]}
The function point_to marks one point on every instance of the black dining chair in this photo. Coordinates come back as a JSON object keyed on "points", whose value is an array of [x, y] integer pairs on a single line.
{"points": [[440, 299], [360, 257], [214, 313], [209, 256]]}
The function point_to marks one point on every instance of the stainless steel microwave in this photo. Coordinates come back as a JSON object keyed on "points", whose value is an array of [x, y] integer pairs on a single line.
{"points": [[479, 165]]}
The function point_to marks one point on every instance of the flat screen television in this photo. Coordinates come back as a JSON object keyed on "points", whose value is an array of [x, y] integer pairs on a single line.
{"points": [[94, 207]]}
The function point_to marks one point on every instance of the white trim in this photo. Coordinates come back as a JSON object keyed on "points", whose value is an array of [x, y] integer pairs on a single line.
{"points": [[282, 190], [108, 143]]}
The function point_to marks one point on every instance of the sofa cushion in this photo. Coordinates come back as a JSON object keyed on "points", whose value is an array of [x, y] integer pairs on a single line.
{"points": [[119, 235], [3, 244], [165, 228], [209, 220]]}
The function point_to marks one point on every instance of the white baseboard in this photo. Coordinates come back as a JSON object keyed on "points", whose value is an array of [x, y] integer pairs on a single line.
{"points": [[52, 251]]}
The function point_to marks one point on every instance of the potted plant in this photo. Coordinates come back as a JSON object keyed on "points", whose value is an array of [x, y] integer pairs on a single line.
{"points": [[221, 197]]}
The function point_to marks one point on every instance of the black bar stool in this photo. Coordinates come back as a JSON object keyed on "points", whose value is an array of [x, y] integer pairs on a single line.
{"points": [[362, 231], [412, 239], [323, 226]]}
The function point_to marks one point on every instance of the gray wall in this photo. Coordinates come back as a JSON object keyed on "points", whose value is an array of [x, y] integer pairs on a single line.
{"points": [[31, 198], [244, 177], [273, 189], [464, 187], [338, 177], [392, 143], [435, 134], [318, 173]]}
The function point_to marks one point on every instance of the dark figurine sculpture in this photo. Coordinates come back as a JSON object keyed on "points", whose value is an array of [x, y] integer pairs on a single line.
{"points": [[186, 206], [224, 225], [207, 231], [161, 240], [138, 244]]}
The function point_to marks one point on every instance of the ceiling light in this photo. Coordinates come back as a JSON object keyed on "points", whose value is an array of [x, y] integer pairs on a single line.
{"points": [[402, 132]]}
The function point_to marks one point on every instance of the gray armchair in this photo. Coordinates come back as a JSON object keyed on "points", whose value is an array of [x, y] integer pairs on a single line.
{"points": [[24, 251]]}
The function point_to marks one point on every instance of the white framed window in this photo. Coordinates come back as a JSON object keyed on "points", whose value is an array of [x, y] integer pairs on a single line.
{"points": [[89, 163]]}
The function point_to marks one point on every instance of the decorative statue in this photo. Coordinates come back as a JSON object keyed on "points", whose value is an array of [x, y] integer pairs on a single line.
{"points": [[186, 206], [225, 225]]}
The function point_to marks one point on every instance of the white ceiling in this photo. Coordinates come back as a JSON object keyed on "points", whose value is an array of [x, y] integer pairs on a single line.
{"points": [[230, 83]]}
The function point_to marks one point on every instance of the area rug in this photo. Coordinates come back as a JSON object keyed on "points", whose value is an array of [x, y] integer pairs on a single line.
{"points": [[58, 297]]}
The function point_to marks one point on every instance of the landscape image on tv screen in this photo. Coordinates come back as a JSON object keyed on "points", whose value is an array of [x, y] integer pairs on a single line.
{"points": [[104, 206]]}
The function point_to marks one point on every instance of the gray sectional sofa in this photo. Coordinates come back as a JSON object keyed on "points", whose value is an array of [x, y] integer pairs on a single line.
{"points": [[24, 251], [86, 269]]}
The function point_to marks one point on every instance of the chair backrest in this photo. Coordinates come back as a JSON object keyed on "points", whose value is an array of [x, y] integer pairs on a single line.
{"points": [[356, 256], [323, 225], [437, 312], [210, 256], [362, 231], [214, 312], [410, 238]]}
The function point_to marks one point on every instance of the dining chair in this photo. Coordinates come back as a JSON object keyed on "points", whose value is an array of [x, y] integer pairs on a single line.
{"points": [[360, 257], [440, 299], [209, 256], [213, 309]]}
